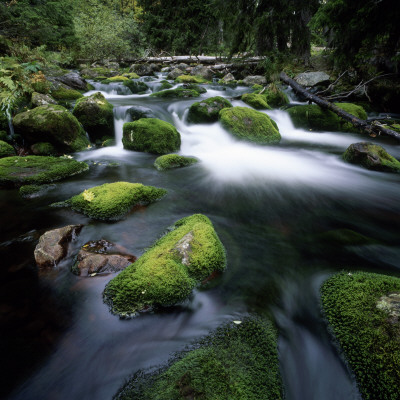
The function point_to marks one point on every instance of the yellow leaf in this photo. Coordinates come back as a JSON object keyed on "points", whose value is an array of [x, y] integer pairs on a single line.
{"points": [[88, 195]]}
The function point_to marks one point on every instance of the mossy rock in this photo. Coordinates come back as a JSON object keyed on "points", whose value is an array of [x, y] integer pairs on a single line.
{"points": [[275, 97], [178, 92], [366, 326], [138, 112], [114, 79], [96, 115], [232, 83], [195, 87], [255, 100], [207, 110], [131, 75], [112, 201], [237, 361], [313, 117], [371, 156], [63, 93], [43, 149], [28, 191], [250, 125], [170, 161], [190, 79], [165, 85], [136, 86], [167, 273], [53, 124], [108, 142], [151, 135], [6, 150], [16, 171]]}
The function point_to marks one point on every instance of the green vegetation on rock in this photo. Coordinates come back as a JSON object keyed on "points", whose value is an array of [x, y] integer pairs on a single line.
{"points": [[167, 273], [207, 110], [274, 96], [190, 79], [63, 93], [251, 125], [29, 190], [255, 100], [170, 161], [111, 201], [38, 169], [6, 149], [136, 86], [165, 85], [237, 361], [117, 78], [151, 135], [178, 92], [43, 149], [365, 322]]}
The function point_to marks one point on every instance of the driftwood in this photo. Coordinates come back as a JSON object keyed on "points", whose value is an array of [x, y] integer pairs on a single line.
{"points": [[371, 129], [195, 59]]}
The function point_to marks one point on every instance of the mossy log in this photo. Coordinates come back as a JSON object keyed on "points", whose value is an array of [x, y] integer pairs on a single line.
{"points": [[370, 129]]}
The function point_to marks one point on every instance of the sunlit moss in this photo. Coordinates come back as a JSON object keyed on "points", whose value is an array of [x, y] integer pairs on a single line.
{"points": [[170, 161], [178, 92], [257, 101], [190, 79]]}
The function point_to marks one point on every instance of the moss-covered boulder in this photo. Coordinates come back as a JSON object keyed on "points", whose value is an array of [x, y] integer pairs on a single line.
{"points": [[165, 85], [178, 92], [117, 78], [63, 93], [170, 161], [251, 125], [53, 124], [167, 273], [37, 169], [371, 156], [237, 361], [365, 323], [96, 115], [255, 100], [137, 112], [207, 110], [6, 150], [274, 96], [313, 117], [190, 79], [151, 135], [112, 201], [39, 99], [136, 86]]}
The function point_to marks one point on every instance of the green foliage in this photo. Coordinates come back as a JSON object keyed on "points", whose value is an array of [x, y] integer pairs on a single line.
{"points": [[136, 86], [112, 201], [367, 334], [207, 110], [29, 190], [167, 273], [170, 161], [234, 362]]}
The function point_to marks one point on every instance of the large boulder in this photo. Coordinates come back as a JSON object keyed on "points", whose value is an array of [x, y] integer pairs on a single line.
{"points": [[255, 80], [151, 135], [53, 245], [73, 80], [137, 112], [310, 79], [111, 201], [250, 125], [136, 86], [100, 257], [143, 69], [203, 72], [37, 169], [228, 78], [167, 273], [207, 110], [274, 96], [6, 150], [39, 99], [170, 161], [255, 100], [190, 79], [96, 115], [53, 124], [371, 156], [175, 73]]}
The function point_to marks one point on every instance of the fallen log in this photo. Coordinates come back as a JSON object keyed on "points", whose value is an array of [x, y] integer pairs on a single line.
{"points": [[371, 129], [194, 59]]}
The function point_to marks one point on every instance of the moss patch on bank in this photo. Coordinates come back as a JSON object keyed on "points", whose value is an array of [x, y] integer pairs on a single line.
{"points": [[366, 329], [170, 161], [167, 273], [237, 361], [111, 201]]}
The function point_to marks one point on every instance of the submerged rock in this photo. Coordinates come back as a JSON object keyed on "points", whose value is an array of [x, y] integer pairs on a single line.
{"points": [[151, 135], [37, 169], [101, 256], [53, 124], [170, 161], [237, 361], [310, 79], [167, 273], [251, 125], [53, 245], [111, 201], [207, 110], [95, 113], [371, 156], [6, 150]]}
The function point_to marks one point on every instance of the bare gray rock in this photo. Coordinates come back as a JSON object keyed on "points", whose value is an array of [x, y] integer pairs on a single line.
{"points": [[255, 80], [309, 79]]}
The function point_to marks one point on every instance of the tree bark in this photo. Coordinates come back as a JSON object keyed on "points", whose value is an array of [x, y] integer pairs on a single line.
{"points": [[370, 129]]}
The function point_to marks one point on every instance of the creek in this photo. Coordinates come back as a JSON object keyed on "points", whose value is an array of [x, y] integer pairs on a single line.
{"points": [[270, 206]]}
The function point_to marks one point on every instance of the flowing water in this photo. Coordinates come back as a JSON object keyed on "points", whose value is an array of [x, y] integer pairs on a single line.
{"points": [[270, 205]]}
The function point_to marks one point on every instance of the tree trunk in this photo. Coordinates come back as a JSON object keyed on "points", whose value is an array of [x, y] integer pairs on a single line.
{"points": [[370, 129]]}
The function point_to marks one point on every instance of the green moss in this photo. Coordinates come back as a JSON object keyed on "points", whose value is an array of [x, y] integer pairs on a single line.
{"points": [[112, 201], [178, 92], [117, 78], [165, 85], [250, 125], [207, 110], [151, 135], [43, 149], [190, 79], [63, 93], [170, 161], [96, 115], [167, 273], [257, 101], [4, 136], [132, 75], [37, 169], [367, 333], [108, 142], [6, 149], [275, 97], [371, 156], [29, 190], [136, 86], [231, 84], [53, 124], [234, 362]]}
